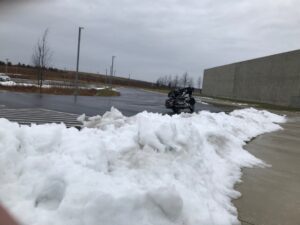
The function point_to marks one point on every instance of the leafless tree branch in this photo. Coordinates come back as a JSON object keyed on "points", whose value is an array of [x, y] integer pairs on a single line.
{"points": [[41, 57]]}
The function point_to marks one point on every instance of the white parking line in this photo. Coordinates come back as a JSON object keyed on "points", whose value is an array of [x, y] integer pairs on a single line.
{"points": [[39, 116]]}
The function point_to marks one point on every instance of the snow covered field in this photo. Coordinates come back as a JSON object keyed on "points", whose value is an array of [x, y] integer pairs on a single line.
{"points": [[141, 170]]}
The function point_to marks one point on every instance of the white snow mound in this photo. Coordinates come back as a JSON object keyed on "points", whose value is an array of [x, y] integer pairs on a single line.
{"points": [[149, 169]]}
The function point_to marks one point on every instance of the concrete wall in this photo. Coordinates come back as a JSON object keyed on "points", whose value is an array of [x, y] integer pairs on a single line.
{"points": [[273, 79]]}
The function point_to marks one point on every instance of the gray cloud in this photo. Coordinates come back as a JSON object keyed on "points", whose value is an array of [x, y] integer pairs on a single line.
{"points": [[8, 2], [151, 38], [6, 5]]}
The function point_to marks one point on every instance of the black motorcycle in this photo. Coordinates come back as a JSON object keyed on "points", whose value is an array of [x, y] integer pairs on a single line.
{"points": [[180, 100]]}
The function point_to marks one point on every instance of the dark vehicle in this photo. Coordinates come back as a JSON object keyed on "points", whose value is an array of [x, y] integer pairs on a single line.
{"points": [[180, 100], [4, 77]]}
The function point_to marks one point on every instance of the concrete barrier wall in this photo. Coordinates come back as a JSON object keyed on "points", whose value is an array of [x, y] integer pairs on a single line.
{"points": [[273, 79]]}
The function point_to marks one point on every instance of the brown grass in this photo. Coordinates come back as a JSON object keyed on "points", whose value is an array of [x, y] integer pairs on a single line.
{"points": [[69, 76], [107, 92]]}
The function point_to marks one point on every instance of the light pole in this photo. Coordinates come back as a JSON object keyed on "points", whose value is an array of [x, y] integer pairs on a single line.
{"points": [[128, 80], [106, 80], [112, 70], [6, 65], [77, 64]]}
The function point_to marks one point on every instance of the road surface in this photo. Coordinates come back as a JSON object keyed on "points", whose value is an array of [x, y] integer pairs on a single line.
{"points": [[130, 102], [269, 195]]}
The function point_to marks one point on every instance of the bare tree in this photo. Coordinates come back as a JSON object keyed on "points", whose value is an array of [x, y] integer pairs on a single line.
{"points": [[184, 79], [175, 82], [165, 81], [41, 57], [190, 82], [160, 82], [169, 81], [199, 82]]}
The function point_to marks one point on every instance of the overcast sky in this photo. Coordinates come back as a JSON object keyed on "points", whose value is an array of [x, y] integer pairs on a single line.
{"points": [[150, 38]]}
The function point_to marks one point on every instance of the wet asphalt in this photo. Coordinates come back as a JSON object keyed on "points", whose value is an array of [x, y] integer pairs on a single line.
{"points": [[131, 102]]}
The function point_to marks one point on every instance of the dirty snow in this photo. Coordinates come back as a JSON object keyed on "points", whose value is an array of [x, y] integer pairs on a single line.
{"points": [[149, 169]]}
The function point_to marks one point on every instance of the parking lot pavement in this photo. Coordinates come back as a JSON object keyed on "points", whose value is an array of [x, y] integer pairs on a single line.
{"points": [[271, 195], [131, 102], [39, 116]]}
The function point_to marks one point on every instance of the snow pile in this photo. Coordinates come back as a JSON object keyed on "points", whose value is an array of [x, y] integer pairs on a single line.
{"points": [[12, 83], [8, 83], [146, 169]]}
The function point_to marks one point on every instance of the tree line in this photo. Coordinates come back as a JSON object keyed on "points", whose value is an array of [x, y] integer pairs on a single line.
{"points": [[178, 81], [23, 65]]}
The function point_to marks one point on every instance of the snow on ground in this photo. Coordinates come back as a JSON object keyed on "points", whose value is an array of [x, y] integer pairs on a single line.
{"points": [[12, 83], [149, 169], [8, 83]]}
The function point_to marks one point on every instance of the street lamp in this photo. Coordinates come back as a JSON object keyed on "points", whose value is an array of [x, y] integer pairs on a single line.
{"points": [[112, 70], [106, 80], [6, 65], [77, 64]]}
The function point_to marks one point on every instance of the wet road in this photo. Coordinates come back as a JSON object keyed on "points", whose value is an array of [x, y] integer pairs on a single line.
{"points": [[130, 102]]}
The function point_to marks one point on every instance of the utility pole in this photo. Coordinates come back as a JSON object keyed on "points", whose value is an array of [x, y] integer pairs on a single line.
{"points": [[77, 64], [6, 65], [112, 70], [128, 80], [106, 82]]}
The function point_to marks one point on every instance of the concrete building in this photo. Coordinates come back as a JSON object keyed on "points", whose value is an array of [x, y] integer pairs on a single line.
{"points": [[273, 79]]}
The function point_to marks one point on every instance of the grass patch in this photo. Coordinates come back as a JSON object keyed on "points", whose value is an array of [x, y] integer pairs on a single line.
{"points": [[107, 92]]}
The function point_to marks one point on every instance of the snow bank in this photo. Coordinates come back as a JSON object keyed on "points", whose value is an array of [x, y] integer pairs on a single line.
{"points": [[12, 83], [8, 83], [146, 169]]}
